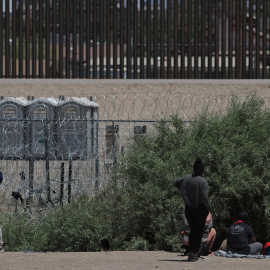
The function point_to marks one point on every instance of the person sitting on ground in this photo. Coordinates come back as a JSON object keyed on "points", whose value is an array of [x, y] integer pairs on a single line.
{"points": [[241, 238], [266, 249], [208, 239], [105, 245]]}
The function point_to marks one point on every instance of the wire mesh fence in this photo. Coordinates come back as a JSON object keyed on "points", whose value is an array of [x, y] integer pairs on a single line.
{"points": [[54, 160]]}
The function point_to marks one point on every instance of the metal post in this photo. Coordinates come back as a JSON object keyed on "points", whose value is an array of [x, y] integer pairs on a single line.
{"points": [[96, 151], [31, 160], [113, 148], [10, 60], [69, 178], [62, 183], [16, 206], [47, 162], [254, 56]]}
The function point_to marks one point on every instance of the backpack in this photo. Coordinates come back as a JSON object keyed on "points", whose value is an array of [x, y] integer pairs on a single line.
{"points": [[1, 177]]}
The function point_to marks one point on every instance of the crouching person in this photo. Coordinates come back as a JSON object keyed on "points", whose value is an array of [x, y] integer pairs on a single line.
{"points": [[241, 238], [208, 238]]}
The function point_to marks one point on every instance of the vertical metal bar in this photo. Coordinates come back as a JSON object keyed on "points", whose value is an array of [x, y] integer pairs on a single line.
{"points": [[113, 145], [169, 39], [258, 43], [223, 39], [162, 39], [108, 39], [54, 40], [195, 41], [202, 37], [231, 43], [135, 40], [7, 47], [47, 162], [101, 53], [149, 39], [183, 39], [68, 38], [121, 38], [115, 43], [81, 38], [21, 41], [34, 37], [155, 40], [74, 41], [88, 17], [94, 30], [251, 39], [48, 41], [61, 44], [27, 39], [190, 42], [128, 39], [142, 41], [30, 160], [14, 40], [40, 39], [69, 178], [1, 43], [265, 12], [96, 152], [238, 38], [210, 7], [91, 128], [62, 183], [217, 25], [176, 40], [244, 39]]}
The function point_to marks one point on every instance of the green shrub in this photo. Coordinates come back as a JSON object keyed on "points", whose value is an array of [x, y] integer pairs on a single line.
{"points": [[235, 149], [141, 210]]}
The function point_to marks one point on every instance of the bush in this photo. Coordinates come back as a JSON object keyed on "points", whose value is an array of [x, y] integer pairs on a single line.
{"points": [[235, 149], [141, 210]]}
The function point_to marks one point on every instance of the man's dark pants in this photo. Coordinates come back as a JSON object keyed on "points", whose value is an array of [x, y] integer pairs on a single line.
{"points": [[196, 219]]}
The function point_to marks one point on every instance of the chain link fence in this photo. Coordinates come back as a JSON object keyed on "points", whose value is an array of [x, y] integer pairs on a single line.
{"points": [[54, 160]]}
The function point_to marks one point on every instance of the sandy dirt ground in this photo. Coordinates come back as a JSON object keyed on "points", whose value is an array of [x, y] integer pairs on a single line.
{"points": [[128, 260], [116, 259], [84, 87]]}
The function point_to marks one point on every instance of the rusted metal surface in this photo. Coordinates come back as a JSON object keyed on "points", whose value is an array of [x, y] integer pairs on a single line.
{"points": [[174, 39]]}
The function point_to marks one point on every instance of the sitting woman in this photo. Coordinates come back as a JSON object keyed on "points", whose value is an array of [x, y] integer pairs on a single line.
{"points": [[208, 237], [241, 238]]}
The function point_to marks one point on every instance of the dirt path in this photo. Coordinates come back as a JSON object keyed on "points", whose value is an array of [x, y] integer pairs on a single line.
{"points": [[128, 260], [84, 87]]}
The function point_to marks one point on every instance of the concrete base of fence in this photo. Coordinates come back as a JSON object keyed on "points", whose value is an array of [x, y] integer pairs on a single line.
{"points": [[87, 88]]}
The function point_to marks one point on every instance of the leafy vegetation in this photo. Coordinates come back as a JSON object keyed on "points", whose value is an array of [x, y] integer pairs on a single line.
{"points": [[141, 210]]}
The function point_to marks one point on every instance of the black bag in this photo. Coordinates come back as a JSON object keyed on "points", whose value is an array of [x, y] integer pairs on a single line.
{"points": [[204, 249], [1, 177]]}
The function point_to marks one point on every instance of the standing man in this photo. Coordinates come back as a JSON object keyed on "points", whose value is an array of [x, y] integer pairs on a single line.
{"points": [[194, 189]]}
